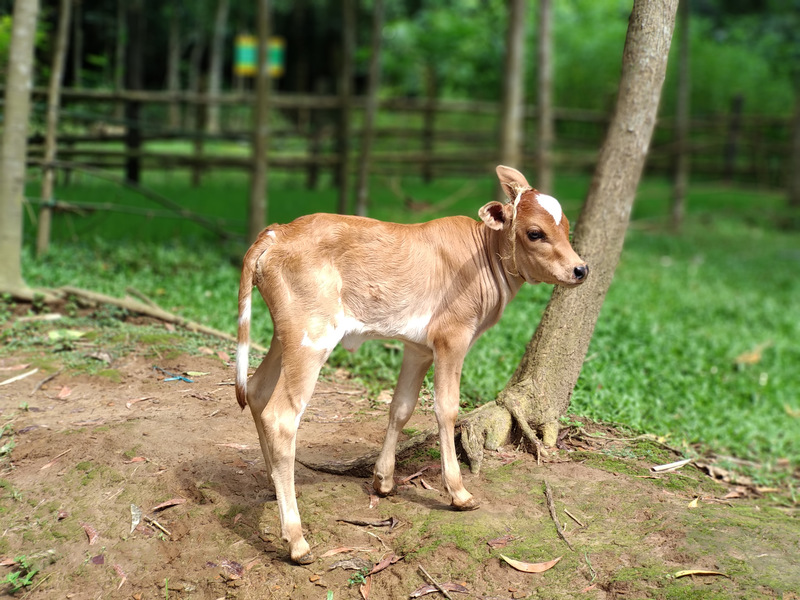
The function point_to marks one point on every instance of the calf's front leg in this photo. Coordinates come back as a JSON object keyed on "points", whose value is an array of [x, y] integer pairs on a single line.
{"points": [[448, 360], [416, 362]]}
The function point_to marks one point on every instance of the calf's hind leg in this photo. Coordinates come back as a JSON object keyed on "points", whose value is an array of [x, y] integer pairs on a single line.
{"points": [[280, 420], [259, 391]]}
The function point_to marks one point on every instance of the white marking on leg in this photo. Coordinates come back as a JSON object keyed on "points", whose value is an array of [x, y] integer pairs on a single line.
{"points": [[551, 205]]}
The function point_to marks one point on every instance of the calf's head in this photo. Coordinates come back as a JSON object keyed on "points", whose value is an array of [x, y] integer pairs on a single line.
{"points": [[536, 245]]}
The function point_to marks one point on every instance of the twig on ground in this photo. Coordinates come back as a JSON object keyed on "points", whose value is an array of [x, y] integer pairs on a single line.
{"points": [[435, 583], [141, 296], [156, 524], [574, 518], [18, 377], [552, 506], [47, 379]]}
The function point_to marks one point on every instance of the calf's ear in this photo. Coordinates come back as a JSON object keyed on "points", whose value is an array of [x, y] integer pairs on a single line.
{"points": [[494, 214], [512, 181]]}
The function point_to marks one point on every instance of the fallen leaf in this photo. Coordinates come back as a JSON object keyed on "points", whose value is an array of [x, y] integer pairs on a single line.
{"points": [[136, 516], [792, 412], [195, 373], [7, 562], [52, 462], [693, 503], [169, 327], [224, 356], [64, 393], [671, 466], [205, 350], [99, 560], [351, 564], [448, 587], [168, 503], [385, 562], [531, 567], [365, 587], [123, 578], [391, 522], [688, 572], [501, 542], [136, 459], [588, 588], [102, 356], [738, 492], [132, 402], [335, 551], [425, 484], [235, 570], [753, 356], [91, 533]]}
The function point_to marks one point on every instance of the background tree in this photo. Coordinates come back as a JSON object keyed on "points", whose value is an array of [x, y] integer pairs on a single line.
{"points": [[680, 183], [13, 151], [216, 64], [512, 111], [544, 95], [257, 217], [539, 391], [347, 53]]}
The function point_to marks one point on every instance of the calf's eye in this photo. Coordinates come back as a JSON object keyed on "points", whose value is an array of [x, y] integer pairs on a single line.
{"points": [[535, 235]]}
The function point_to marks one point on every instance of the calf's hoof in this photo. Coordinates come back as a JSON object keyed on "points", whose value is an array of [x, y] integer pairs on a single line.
{"points": [[471, 504], [306, 559]]}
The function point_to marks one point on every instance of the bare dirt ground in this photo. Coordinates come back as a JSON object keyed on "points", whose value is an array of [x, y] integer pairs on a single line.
{"points": [[88, 447]]}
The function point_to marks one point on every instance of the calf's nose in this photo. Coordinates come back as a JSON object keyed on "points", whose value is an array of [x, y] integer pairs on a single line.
{"points": [[581, 272]]}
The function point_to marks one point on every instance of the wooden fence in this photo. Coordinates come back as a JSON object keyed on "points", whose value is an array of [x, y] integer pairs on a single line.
{"points": [[413, 137]]}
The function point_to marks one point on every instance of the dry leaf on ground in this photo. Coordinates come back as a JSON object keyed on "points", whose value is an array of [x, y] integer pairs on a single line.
{"points": [[527, 567]]}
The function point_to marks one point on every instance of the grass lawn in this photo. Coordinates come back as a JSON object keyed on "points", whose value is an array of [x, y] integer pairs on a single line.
{"points": [[667, 354]]}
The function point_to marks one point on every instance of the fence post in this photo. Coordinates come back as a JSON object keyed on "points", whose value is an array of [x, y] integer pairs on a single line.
{"points": [[429, 123], [732, 141]]}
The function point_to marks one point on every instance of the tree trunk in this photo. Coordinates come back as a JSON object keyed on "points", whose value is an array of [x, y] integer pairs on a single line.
{"points": [[257, 217], [13, 152], [682, 116], [362, 186], [429, 120], [77, 45], [174, 66], [539, 391], [216, 64], [345, 98], [119, 57], [512, 111], [794, 157], [53, 104], [134, 78], [544, 91]]}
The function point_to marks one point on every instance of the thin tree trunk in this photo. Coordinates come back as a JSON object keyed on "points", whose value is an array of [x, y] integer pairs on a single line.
{"points": [[732, 143], [216, 63], [13, 151], [345, 98], [794, 157], [134, 80], [195, 75], [538, 394], [119, 57], [174, 66], [77, 45], [544, 90], [50, 142], [257, 218], [370, 111], [429, 121], [682, 116], [512, 111]]}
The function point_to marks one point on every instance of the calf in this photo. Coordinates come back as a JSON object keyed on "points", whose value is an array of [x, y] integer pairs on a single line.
{"points": [[436, 286]]}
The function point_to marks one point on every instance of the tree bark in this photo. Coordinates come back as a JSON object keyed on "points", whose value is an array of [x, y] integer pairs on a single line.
{"points": [[216, 64], [345, 97], [134, 77], [50, 142], [544, 91], [119, 57], [174, 66], [513, 108], [794, 158], [362, 185], [539, 392], [682, 116], [77, 45], [257, 217], [14, 147]]}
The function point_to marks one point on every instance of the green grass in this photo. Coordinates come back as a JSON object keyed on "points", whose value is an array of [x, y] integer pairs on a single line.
{"points": [[680, 310]]}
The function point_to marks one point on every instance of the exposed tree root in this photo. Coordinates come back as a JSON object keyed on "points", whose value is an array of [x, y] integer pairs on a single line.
{"points": [[363, 465]]}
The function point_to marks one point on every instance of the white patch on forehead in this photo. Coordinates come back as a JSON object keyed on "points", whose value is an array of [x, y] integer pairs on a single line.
{"points": [[551, 205]]}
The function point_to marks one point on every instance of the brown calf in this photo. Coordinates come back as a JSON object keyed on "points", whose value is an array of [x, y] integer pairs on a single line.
{"points": [[436, 286]]}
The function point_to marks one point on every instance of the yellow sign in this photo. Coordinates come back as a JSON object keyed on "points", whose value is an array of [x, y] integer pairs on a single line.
{"points": [[246, 57]]}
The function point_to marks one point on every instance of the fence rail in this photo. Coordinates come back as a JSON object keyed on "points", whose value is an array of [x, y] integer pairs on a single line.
{"points": [[463, 139]]}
